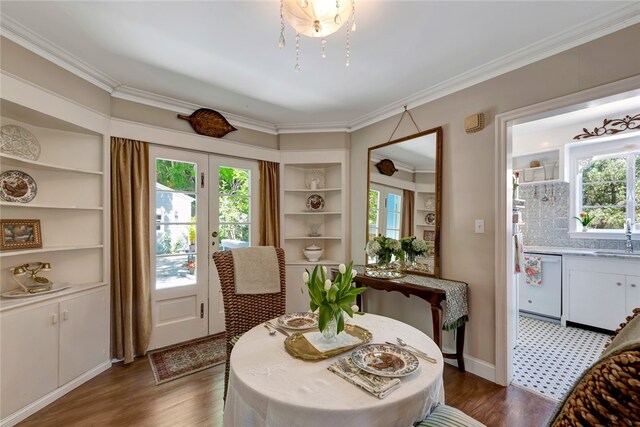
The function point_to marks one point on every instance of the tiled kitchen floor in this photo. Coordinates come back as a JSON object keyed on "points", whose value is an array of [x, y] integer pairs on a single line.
{"points": [[549, 358]]}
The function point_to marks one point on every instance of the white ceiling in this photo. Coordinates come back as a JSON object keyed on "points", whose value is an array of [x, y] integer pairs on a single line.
{"points": [[223, 54]]}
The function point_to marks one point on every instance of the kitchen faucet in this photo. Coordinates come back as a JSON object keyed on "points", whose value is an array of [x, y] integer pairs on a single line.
{"points": [[629, 245]]}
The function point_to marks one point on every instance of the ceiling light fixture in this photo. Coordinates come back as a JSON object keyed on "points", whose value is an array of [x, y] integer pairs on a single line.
{"points": [[317, 18]]}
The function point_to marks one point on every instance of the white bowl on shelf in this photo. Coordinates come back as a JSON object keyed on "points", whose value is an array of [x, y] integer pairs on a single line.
{"points": [[313, 253]]}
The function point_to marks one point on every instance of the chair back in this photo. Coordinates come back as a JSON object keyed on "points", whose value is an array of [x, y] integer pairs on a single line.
{"points": [[244, 311]]}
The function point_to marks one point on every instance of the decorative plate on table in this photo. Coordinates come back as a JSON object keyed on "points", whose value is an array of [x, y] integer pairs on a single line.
{"points": [[315, 202], [19, 142], [430, 218], [385, 360], [298, 321], [17, 187], [314, 175]]}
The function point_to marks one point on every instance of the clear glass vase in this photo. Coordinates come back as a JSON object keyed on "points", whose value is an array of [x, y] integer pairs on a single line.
{"points": [[330, 331]]}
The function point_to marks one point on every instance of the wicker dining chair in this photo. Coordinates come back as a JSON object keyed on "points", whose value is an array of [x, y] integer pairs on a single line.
{"points": [[244, 311]]}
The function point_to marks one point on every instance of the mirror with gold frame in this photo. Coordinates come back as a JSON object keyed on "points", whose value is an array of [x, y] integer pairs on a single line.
{"points": [[404, 192]]}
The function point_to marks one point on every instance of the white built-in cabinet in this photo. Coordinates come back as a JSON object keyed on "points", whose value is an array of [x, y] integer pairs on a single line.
{"points": [[600, 292], [47, 345], [54, 342], [425, 217], [297, 170]]}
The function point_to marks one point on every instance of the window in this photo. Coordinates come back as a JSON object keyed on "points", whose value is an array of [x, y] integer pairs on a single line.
{"points": [[608, 184], [234, 190], [385, 211]]}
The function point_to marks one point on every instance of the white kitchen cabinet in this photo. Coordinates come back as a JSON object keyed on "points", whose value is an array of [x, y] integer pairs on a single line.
{"points": [[48, 343], [633, 293], [600, 291]]}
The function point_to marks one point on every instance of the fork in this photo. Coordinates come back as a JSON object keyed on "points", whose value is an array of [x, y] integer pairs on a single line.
{"points": [[348, 369]]}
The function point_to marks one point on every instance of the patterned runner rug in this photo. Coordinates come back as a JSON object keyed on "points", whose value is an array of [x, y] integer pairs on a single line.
{"points": [[183, 359]]}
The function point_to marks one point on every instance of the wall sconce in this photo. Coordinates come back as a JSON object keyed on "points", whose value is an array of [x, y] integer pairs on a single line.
{"points": [[33, 283]]}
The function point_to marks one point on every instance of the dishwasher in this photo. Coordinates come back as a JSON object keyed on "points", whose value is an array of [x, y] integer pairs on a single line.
{"points": [[544, 299]]}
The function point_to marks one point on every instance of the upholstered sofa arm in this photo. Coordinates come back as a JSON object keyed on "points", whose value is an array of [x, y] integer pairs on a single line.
{"points": [[608, 393]]}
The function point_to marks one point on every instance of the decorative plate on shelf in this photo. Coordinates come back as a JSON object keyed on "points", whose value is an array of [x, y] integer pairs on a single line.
{"points": [[315, 202], [385, 360], [19, 142], [298, 321], [17, 187], [430, 218], [314, 175]]}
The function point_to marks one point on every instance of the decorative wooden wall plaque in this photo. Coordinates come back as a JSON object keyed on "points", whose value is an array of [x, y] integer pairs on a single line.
{"points": [[208, 122], [386, 167]]}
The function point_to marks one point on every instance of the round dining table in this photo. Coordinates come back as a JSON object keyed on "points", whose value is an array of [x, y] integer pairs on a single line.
{"points": [[270, 388]]}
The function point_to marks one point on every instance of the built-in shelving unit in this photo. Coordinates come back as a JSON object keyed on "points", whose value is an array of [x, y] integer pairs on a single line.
{"points": [[425, 204], [56, 341], [298, 221], [551, 166]]}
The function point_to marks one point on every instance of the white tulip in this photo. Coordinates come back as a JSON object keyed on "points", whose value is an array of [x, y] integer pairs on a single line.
{"points": [[305, 277], [342, 268], [355, 308], [327, 285], [324, 269]]}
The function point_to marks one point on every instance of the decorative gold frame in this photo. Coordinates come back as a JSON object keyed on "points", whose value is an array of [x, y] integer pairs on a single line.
{"points": [[8, 239]]}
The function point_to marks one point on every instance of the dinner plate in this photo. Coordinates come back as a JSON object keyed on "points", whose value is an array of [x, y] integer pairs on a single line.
{"points": [[298, 321], [19, 142], [430, 218], [315, 202], [17, 187], [385, 360]]}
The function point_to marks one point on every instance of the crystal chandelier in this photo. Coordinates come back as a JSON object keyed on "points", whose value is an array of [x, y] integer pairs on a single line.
{"points": [[317, 18]]}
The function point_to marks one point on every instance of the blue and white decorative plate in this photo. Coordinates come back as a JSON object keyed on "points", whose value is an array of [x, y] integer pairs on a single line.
{"points": [[385, 360]]}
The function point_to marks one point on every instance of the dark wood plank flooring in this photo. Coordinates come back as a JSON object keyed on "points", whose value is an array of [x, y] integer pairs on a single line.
{"points": [[128, 396]]}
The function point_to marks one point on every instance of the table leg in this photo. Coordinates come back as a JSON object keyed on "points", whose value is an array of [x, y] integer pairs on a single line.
{"points": [[460, 346], [436, 316]]}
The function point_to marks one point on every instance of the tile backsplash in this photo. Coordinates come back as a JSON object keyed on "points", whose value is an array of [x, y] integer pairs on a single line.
{"points": [[547, 222]]}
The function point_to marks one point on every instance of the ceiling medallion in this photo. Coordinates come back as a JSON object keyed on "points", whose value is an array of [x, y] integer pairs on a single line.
{"points": [[611, 127], [317, 19]]}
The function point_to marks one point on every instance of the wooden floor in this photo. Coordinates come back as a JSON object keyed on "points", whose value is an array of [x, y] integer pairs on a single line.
{"points": [[128, 396]]}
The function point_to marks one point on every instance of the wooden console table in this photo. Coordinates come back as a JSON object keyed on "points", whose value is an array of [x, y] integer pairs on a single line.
{"points": [[432, 295]]}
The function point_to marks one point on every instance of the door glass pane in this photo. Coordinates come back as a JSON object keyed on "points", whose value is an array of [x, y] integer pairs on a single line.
{"points": [[175, 175], [176, 207], [234, 215], [374, 204], [394, 201], [637, 191]]}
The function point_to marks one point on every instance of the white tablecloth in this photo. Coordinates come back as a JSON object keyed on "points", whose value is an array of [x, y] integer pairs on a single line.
{"points": [[269, 387]]}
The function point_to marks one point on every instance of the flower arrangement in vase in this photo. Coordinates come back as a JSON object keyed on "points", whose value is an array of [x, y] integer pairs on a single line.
{"points": [[414, 247], [383, 249], [584, 219], [332, 299]]}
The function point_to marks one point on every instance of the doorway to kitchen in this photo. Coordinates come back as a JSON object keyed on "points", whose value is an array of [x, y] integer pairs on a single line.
{"points": [[508, 321]]}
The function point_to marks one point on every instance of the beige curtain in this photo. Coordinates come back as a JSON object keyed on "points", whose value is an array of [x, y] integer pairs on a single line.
{"points": [[269, 204], [130, 261], [407, 213]]}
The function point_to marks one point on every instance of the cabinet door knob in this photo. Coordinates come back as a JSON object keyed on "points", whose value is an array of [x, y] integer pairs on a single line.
{"points": [[65, 315], [54, 319], [619, 284], [530, 301], [633, 285]]}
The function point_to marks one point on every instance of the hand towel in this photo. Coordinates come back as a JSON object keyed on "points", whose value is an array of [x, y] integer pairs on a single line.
{"points": [[256, 270], [533, 270], [378, 386]]}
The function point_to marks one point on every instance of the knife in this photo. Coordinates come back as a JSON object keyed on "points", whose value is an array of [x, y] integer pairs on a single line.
{"points": [[416, 352], [279, 329]]}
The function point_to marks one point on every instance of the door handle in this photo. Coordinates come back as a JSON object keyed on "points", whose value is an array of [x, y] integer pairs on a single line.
{"points": [[214, 234]]}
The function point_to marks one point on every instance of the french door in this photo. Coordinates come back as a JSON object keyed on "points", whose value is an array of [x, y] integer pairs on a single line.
{"points": [[199, 204]]}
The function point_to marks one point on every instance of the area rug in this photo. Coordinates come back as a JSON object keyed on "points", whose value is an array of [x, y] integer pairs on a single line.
{"points": [[187, 358]]}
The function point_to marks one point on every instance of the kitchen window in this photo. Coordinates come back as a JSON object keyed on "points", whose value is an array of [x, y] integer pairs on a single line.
{"points": [[606, 186]]}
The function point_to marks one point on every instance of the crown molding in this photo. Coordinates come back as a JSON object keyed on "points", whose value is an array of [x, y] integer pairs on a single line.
{"points": [[572, 37], [32, 41], [167, 103]]}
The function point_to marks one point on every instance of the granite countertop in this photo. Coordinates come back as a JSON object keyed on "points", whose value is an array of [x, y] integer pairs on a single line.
{"points": [[605, 253]]}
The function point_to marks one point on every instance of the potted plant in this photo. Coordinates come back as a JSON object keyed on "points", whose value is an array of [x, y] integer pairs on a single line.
{"points": [[332, 299], [383, 249], [413, 247], [584, 219]]}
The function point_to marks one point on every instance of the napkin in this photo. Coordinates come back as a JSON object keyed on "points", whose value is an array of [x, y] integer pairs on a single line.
{"points": [[343, 339], [379, 386]]}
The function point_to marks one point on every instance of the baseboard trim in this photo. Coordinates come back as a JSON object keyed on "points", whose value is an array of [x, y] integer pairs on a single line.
{"points": [[51, 397], [473, 365]]}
